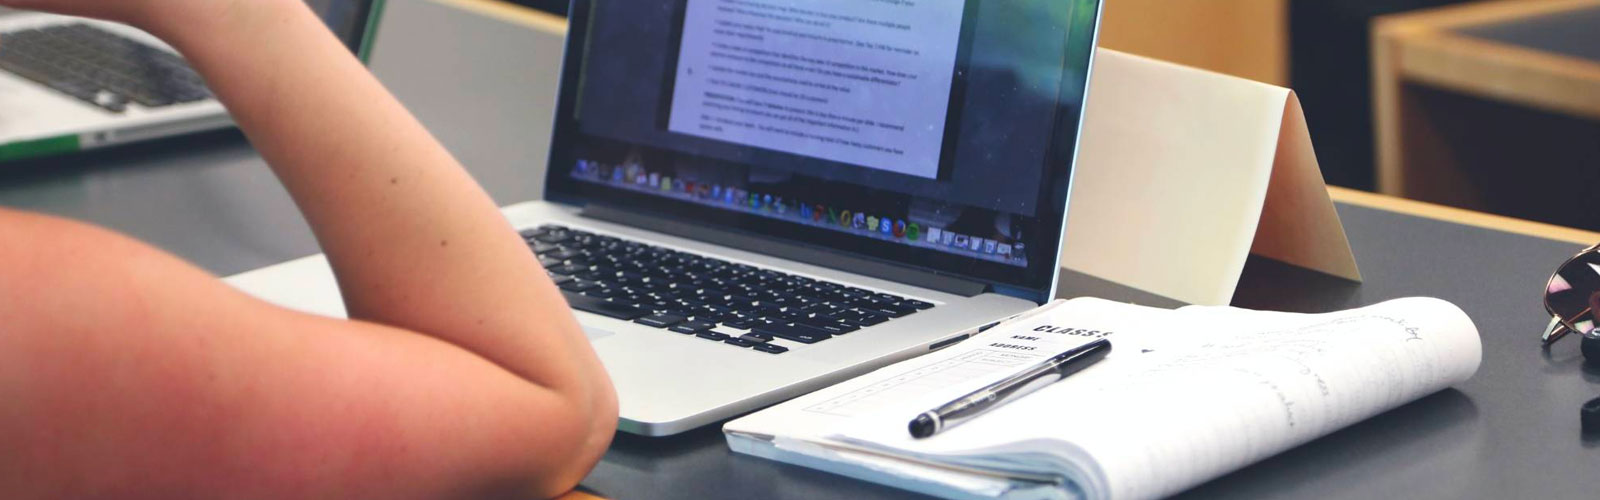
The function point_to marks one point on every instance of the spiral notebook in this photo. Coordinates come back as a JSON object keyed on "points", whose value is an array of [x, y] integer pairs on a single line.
{"points": [[1186, 395]]}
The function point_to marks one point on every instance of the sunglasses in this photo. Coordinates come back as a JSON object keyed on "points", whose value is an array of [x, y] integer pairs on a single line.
{"points": [[1571, 297]]}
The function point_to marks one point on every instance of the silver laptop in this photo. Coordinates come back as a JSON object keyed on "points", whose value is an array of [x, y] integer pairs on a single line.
{"points": [[748, 200], [68, 84]]}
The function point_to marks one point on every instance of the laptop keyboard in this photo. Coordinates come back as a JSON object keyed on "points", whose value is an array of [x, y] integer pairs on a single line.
{"points": [[705, 297], [100, 67]]}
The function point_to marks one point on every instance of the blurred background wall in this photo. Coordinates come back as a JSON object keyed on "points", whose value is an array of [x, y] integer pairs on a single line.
{"points": [[1248, 38], [1321, 48]]}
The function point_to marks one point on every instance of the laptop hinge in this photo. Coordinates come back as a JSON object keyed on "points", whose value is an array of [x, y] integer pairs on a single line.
{"points": [[790, 251]]}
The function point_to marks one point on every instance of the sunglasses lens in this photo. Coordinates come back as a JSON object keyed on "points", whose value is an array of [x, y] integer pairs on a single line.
{"points": [[1574, 292]]}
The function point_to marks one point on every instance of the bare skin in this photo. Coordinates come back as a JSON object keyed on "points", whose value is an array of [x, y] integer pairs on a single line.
{"points": [[128, 373]]}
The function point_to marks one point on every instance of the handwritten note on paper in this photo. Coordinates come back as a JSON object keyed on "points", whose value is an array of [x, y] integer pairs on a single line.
{"points": [[1276, 386]]}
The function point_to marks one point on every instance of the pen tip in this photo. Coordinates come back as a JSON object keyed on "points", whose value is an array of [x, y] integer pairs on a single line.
{"points": [[922, 426]]}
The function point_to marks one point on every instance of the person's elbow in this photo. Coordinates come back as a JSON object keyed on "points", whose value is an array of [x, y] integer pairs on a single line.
{"points": [[580, 433]]}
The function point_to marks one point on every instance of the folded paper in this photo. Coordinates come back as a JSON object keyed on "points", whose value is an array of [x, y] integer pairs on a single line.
{"points": [[1182, 173]]}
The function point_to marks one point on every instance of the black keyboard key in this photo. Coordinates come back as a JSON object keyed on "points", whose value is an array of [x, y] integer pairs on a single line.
{"points": [[553, 237], [561, 253], [630, 278], [710, 293], [766, 312], [569, 269], [798, 333], [675, 310], [560, 280], [691, 327], [632, 300], [915, 304], [859, 318], [719, 337], [885, 311], [769, 348], [739, 342], [660, 320], [870, 319], [655, 305], [755, 338], [579, 286], [710, 318], [604, 308], [832, 327], [866, 302], [740, 323]]}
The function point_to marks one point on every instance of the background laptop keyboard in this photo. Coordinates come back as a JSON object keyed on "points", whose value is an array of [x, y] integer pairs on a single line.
{"points": [[708, 298], [100, 67]]}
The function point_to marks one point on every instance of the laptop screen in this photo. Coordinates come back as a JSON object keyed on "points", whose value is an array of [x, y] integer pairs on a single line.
{"points": [[347, 18], [934, 134]]}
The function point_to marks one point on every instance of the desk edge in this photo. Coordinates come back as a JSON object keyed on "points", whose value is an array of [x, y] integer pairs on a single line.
{"points": [[1463, 216]]}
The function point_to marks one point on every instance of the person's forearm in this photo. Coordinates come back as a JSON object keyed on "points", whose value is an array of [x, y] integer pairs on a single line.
{"points": [[415, 242]]}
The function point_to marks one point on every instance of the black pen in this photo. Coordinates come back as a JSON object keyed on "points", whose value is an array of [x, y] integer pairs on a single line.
{"points": [[971, 405]]}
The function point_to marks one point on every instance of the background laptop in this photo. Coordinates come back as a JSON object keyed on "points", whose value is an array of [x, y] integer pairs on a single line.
{"points": [[69, 83], [744, 208]]}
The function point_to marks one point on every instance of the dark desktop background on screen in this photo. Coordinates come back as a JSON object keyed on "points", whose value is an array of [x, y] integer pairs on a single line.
{"points": [[344, 17], [557, 7], [1008, 91]]}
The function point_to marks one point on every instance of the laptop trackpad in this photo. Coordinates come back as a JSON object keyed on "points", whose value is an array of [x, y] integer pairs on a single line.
{"points": [[595, 333]]}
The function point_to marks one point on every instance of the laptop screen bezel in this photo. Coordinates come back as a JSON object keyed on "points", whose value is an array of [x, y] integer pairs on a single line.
{"points": [[1036, 282]]}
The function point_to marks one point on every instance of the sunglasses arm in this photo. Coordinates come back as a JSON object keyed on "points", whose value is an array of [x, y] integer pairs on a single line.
{"points": [[1554, 331]]}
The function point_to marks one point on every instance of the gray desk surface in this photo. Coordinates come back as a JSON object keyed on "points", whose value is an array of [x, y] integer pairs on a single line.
{"points": [[1510, 432]]}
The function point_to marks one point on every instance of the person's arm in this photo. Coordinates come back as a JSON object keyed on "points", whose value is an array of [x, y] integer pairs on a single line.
{"points": [[465, 369]]}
